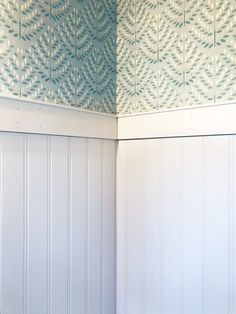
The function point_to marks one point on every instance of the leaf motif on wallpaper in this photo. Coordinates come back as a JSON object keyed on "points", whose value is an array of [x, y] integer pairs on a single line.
{"points": [[171, 52], [63, 52], [106, 20], [199, 77], [173, 12], [65, 94], [123, 55], [9, 17], [9, 74], [199, 52], [146, 33], [35, 69], [108, 56], [124, 104], [225, 66], [35, 51], [126, 40], [106, 78], [98, 20], [200, 22], [90, 18], [126, 82], [126, 96], [97, 66], [110, 9], [170, 89], [88, 73], [63, 29], [146, 84], [225, 22], [83, 43], [126, 24], [9, 47], [151, 4], [83, 98], [34, 18], [103, 78]]}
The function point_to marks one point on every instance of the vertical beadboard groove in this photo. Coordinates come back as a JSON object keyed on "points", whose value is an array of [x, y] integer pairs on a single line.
{"points": [[230, 223], [142, 231], [120, 231], [49, 223], [115, 225], [181, 223], [126, 235], [101, 231], [161, 277], [86, 227], [1, 223], [25, 222], [69, 226], [159, 232], [204, 224], [144, 239], [233, 241]]}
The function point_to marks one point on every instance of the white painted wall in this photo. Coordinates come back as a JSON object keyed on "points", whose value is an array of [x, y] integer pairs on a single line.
{"points": [[176, 226], [57, 239]]}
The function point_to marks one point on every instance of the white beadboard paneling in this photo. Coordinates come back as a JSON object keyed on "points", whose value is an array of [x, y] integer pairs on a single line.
{"points": [[109, 227], [121, 229], [216, 224], [152, 228], [176, 226], [37, 213], [60, 212], [58, 224], [1, 225], [134, 233], [232, 227], [94, 229], [170, 216], [13, 277], [78, 225], [192, 224]]}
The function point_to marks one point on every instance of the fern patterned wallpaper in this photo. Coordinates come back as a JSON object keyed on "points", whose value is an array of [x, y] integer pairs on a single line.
{"points": [[59, 51], [141, 55], [175, 53]]}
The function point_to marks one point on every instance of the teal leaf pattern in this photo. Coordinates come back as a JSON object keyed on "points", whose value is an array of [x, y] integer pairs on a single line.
{"points": [[35, 50], [225, 56], [9, 48], [175, 54], [59, 51], [119, 56]]}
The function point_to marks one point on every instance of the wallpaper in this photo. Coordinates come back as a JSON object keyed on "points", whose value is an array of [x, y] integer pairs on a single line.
{"points": [[130, 56], [59, 51], [175, 53]]}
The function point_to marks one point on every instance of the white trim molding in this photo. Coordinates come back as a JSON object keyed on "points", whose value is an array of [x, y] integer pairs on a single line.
{"points": [[26, 116], [197, 121], [30, 116]]}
